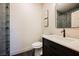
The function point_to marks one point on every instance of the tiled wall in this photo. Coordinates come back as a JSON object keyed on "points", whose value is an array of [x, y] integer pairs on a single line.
{"points": [[7, 29], [4, 29]]}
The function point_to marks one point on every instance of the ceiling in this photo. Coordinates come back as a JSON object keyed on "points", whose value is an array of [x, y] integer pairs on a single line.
{"points": [[64, 7]]}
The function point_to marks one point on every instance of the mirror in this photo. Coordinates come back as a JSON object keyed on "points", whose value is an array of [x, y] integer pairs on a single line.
{"points": [[67, 15]]}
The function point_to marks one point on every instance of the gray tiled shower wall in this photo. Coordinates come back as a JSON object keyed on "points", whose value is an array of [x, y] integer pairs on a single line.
{"points": [[4, 29]]}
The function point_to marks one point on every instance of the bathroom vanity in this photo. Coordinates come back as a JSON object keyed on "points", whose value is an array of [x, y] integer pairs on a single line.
{"points": [[58, 46]]}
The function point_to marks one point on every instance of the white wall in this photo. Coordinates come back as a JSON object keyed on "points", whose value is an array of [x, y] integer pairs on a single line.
{"points": [[25, 26], [70, 32], [75, 19], [50, 7]]}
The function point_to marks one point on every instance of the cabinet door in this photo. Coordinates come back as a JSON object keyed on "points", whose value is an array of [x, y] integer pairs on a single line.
{"points": [[49, 49]]}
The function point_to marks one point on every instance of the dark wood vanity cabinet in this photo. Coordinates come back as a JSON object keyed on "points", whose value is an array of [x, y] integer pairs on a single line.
{"points": [[51, 48]]}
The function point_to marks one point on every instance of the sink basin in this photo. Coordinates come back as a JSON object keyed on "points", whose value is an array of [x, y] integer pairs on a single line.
{"points": [[61, 38], [69, 39], [66, 39]]}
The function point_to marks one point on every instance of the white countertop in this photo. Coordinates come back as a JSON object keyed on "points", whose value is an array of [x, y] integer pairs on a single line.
{"points": [[71, 43]]}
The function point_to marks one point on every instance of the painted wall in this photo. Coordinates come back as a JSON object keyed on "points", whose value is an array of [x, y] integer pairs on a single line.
{"points": [[75, 19], [70, 32], [25, 26]]}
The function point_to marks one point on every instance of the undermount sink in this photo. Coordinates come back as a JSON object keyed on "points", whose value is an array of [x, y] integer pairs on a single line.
{"points": [[67, 39], [70, 39], [61, 38]]}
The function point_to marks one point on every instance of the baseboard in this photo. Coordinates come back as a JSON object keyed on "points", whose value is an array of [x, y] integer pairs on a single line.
{"points": [[13, 53], [26, 53]]}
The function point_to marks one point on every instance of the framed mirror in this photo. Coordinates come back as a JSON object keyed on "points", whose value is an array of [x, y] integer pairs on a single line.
{"points": [[67, 15]]}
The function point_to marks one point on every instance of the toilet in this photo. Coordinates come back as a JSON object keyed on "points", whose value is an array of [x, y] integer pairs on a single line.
{"points": [[37, 46]]}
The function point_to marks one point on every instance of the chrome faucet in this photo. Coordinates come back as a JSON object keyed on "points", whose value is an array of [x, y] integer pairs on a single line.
{"points": [[64, 33]]}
